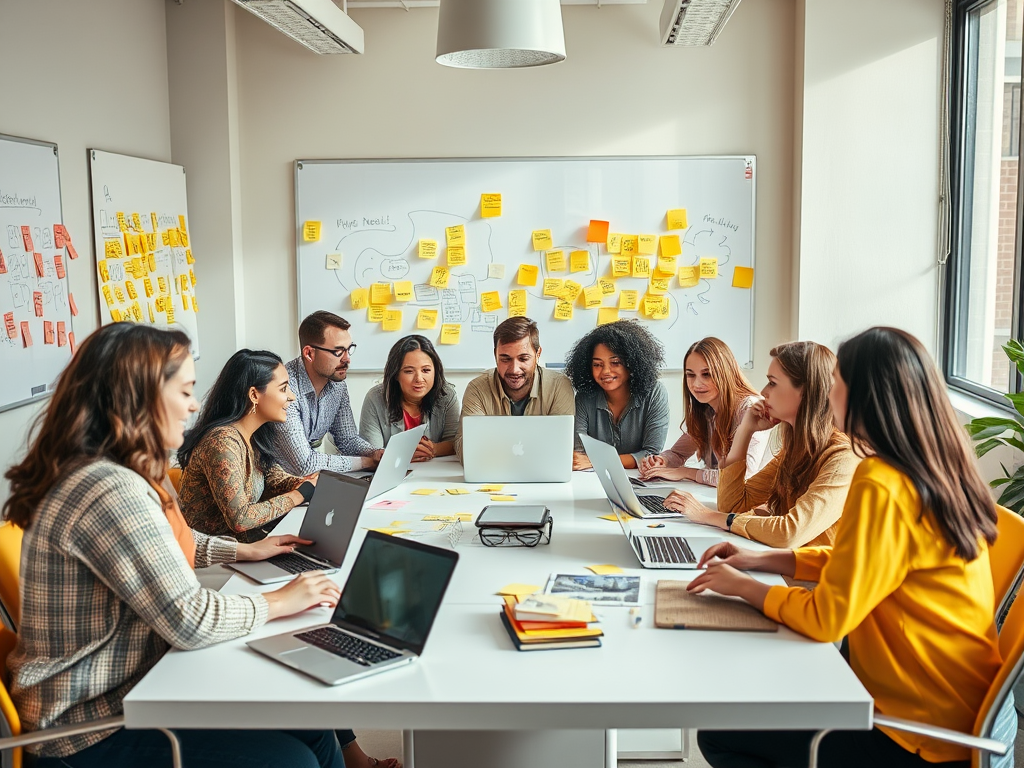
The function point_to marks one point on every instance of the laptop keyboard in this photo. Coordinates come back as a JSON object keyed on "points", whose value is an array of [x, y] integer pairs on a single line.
{"points": [[294, 563], [654, 504], [347, 646], [669, 549]]}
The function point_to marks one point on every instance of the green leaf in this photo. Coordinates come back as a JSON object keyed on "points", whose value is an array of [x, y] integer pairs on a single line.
{"points": [[1015, 442], [984, 433], [982, 448], [1000, 481], [1018, 402], [1015, 352], [1012, 496]]}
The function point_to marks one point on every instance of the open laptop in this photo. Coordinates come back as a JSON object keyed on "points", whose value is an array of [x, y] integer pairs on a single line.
{"points": [[517, 449], [652, 551], [329, 523], [617, 485], [394, 464], [383, 618]]}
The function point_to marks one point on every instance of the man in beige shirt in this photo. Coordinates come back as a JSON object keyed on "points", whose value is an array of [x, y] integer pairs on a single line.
{"points": [[517, 386]]}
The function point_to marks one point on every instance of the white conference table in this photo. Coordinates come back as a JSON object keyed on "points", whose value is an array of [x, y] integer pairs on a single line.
{"points": [[471, 697]]}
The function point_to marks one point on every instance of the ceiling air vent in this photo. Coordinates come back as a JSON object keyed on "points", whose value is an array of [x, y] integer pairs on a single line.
{"points": [[319, 25], [694, 22]]}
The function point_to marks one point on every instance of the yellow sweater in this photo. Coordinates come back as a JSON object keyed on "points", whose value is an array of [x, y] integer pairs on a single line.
{"points": [[920, 619]]}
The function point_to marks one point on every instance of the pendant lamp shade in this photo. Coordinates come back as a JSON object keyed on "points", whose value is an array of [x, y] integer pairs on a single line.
{"points": [[499, 34]]}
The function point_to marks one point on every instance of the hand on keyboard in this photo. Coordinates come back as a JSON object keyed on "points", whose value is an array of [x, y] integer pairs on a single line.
{"points": [[306, 590]]}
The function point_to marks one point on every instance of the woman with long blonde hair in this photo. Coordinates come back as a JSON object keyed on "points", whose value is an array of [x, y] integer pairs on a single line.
{"points": [[796, 500], [716, 395]]}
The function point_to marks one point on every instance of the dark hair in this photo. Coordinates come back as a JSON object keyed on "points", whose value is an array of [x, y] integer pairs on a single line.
{"points": [[312, 329], [733, 389], [898, 408], [640, 352], [396, 359], [514, 329], [809, 367], [107, 404], [228, 401]]}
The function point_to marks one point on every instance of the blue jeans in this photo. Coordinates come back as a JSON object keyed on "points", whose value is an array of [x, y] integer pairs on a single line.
{"points": [[207, 749]]}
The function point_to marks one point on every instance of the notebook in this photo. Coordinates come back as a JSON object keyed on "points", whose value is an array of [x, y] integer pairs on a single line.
{"points": [[675, 608]]}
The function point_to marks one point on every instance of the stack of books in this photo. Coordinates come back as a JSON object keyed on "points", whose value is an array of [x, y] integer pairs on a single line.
{"points": [[547, 622]]}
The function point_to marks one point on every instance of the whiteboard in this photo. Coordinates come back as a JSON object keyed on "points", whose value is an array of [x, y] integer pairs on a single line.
{"points": [[30, 199], [145, 270], [373, 213]]}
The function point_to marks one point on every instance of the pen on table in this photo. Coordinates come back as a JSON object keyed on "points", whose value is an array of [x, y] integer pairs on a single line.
{"points": [[636, 617]]}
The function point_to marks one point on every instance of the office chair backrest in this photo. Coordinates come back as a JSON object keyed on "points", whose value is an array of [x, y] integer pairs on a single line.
{"points": [[1007, 557], [10, 576], [7, 711], [174, 475]]}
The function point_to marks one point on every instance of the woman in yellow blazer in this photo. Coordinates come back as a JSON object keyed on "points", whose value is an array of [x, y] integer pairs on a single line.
{"points": [[907, 578]]}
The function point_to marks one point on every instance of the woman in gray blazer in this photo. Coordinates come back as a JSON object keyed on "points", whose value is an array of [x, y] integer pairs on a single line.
{"points": [[414, 392]]}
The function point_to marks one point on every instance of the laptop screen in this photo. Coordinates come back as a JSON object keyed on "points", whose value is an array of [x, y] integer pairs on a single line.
{"points": [[395, 589]]}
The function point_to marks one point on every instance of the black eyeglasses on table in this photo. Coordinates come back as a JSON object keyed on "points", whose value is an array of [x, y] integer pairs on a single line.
{"points": [[516, 537], [338, 351]]}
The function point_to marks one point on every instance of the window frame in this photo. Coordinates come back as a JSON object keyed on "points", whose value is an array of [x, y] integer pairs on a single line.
{"points": [[956, 273]]}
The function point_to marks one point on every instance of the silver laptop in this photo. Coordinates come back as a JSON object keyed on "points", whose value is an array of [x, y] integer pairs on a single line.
{"points": [[329, 523], [383, 618], [517, 449], [394, 464], [652, 551], [617, 484]]}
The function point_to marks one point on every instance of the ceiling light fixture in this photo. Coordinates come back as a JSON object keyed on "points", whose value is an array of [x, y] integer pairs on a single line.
{"points": [[694, 22], [499, 34]]}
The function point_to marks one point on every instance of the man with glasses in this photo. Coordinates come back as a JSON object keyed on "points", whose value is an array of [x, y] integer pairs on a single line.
{"points": [[317, 376]]}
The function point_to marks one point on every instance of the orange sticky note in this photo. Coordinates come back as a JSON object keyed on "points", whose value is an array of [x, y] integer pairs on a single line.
{"points": [[528, 274], [742, 277], [542, 240], [58, 264], [517, 303], [689, 276], [490, 206], [490, 301], [40, 268], [48, 335], [74, 307], [579, 261], [3, 264], [555, 261], [26, 334], [37, 302], [455, 235], [450, 333], [647, 244], [393, 320], [26, 240], [708, 267], [71, 341], [10, 325], [670, 245], [71, 250], [597, 231], [62, 334], [58, 236], [426, 319], [428, 249]]}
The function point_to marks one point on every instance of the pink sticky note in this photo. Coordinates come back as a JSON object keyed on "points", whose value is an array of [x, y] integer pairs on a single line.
{"points": [[388, 504], [58, 235], [62, 334], [71, 249], [3, 264], [48, 337], [26, 238], [26, 334], [74, 307], [58, 263], [37, 302], [40, 269]]}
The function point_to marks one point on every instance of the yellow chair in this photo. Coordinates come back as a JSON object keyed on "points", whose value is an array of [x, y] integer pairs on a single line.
{"points": [[1006, 556], [174, 475], [10, 562]]}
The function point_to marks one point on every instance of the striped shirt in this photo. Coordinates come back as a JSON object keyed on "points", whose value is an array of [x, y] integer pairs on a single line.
{"points": [[311, 417], [641, 429], [105, 591]]}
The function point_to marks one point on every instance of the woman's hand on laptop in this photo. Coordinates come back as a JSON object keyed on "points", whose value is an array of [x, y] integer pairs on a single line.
{"points": [[269, 547], [767, 561], [307, 590], [684, 503]]}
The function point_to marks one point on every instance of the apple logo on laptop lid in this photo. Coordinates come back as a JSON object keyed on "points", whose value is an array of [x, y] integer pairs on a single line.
{"points": [[517, 449], [330, 518]]}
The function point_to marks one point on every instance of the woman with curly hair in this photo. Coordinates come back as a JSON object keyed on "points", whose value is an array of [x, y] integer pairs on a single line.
{"points": [[716, 395], [619, 399]]}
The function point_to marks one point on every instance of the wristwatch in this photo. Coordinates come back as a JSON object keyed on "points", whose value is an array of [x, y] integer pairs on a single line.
{"points": [[728, 520]]}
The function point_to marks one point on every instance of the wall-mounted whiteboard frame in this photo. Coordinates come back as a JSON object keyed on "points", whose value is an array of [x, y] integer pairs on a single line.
{"points": [[392, 196], [30, 174]]}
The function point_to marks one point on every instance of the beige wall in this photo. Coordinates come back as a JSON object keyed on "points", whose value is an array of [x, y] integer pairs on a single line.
{"points": [[65, 80]]}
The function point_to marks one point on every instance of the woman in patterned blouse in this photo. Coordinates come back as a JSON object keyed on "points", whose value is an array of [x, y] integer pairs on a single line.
{"points": [[230, 485]]}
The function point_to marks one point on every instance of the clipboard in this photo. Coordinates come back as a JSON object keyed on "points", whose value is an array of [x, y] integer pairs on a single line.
{"points": [[675, 608]]}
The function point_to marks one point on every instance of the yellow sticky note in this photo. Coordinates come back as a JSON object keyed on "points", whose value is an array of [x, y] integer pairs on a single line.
{"points": [[375, 313], [553, 286], [380, 293], [528, 274], [137, 222], [646, 244], [113, 249], [108, 296], [607, 315], [490, 206], [184, 304], [152, 316], [104, 270], [661, 311], [621, 266], [360, 297], [517, 303], [571, 290], [658, 285], [393, 320], [629, 245], [708, 267], [641, 266], [310, 231], [563, 310], [424, 492], [130, 287], [439, 277], [614, 243], [490, 301], [689, 276], [628, 299], [603, 570], [147, 284], [119, 294], [115, 315], [670, 245], [426, 319], [450, 333], [518, 589], [666, 266], [161, 282], [333, 261], [742, 277], [495, 497], [455, 235], [607, 286], [579, 261], [428, 249], [592, 296], [456, 255], [676, 218], [613, 518], [556, 261], [195, 306], [457, 491], [542, 240], [389, 531], [493, 488], [652, 304], [403, 290], [122, 222], [192, 278]]}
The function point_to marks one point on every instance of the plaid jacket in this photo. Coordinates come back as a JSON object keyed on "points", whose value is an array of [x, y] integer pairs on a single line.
{"points": [[105, 591]]}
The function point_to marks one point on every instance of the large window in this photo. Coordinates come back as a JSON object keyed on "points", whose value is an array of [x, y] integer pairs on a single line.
{"points": [[984, 282]]}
